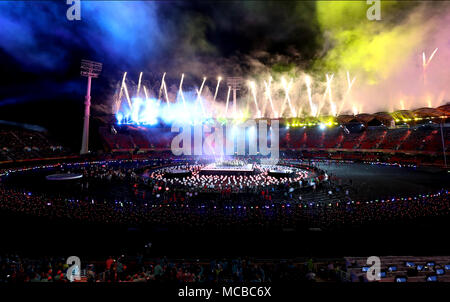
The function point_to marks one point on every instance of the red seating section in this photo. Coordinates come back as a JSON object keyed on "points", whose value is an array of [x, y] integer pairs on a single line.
{"points": [[407, 139]]}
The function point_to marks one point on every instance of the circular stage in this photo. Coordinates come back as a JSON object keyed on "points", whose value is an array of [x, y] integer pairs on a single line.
{"points": [[216, 177], [63, 176]]}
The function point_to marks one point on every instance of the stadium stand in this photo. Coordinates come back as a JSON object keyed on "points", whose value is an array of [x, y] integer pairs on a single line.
{"points": [[372, 138], [138, 268], [408, 268], [20, 144], [389, 144], [17, 269], [393, 139]]}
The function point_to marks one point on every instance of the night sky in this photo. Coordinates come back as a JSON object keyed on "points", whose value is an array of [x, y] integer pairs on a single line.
{"points": [[40, 50]]}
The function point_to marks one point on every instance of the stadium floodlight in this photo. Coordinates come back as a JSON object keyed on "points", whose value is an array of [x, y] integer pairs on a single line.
{"points": [[89, 69], [235, 84]]}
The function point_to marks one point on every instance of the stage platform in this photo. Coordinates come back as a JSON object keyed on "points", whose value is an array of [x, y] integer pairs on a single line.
{"points": [[65, 176], [280, 173], [214, 169], [178, 173]]}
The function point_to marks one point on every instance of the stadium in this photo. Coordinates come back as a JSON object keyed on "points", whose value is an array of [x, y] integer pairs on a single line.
{"points": [[283, 176]]}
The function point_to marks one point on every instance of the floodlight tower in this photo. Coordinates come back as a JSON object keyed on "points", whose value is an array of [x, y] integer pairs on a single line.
{"points": [[89, 69], [235, 84]]}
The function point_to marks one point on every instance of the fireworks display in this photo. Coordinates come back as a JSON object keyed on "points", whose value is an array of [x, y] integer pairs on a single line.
{"points": [[273, 97], [357, 67], [398, 62]]}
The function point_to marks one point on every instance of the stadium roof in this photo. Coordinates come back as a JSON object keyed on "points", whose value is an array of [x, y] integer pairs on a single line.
{"points": [[365, 117], [428, 112], [345, 118], [445, 108], [385, 117]]}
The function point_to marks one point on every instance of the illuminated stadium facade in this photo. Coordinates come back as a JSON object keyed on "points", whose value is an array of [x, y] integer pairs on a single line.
{"points": [[315, 122], [423, 132]]}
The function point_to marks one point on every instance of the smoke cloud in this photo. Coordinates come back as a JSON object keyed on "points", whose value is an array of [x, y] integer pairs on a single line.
{"points": [[255, 40]]}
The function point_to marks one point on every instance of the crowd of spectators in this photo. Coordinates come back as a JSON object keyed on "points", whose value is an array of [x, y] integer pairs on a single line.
{"points": [[267, 209], [20, 144], [15, 269], [180, 210]]}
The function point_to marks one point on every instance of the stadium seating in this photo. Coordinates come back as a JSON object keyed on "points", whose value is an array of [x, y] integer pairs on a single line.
{"points": [[20, 144], [351, 141], [332, 137], [373, 138], [425, 140], [355, 268], [393, 139]]}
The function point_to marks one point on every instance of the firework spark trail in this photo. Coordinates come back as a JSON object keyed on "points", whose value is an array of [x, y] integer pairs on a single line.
{"points": [[264, 106], [425, 64], [350, 83], [347, 93], [127, 96], [228, 99], [300, 105], [139, 84], [217, 88], [285, 100], [199, 93], [322, 102], [429, 102], [432, 55], [269, 96], [145, 92], [287, 87], [161, 89], [291, 106], [308, 88], [180, 90], [283, 107], [265, 100], [253, 90], [325, 94], [166, 95], [330, 95], [119, 99]]}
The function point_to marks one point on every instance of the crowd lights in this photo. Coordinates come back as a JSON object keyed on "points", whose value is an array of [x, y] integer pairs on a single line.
{"points": [[322, 125]]}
